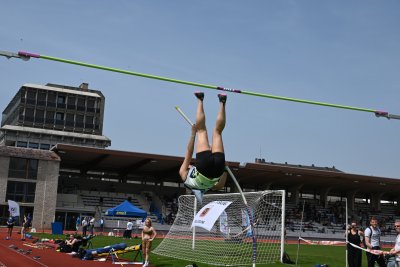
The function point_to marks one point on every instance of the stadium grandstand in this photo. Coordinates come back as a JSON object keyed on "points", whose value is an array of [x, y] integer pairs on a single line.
{"points": [[54, 162]]}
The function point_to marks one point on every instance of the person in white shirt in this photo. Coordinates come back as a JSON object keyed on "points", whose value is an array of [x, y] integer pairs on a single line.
{"points": [[101, 225], [396, 250], [128, 231], [84, 226], [91, 225], [372, 235]]}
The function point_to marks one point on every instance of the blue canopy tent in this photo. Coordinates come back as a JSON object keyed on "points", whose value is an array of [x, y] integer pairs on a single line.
{"points": [[126, 209]]}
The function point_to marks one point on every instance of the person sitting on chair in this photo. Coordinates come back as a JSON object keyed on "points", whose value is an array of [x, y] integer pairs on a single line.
{"points": [[70, 244], [86, 241], [71, 241], [209, 172]]}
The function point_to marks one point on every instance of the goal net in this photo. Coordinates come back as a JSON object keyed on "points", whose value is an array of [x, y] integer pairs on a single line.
{"points": [[242, 235]]}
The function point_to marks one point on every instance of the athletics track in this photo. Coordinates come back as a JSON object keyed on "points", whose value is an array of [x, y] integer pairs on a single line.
{"points": [[10, 257], [49, 257]]}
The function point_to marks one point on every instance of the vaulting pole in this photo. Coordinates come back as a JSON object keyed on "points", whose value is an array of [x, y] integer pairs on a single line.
{"points": [[27, 55]]}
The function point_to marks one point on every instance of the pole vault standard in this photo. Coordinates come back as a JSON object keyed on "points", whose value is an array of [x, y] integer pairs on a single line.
{"points": [[27, 55]]}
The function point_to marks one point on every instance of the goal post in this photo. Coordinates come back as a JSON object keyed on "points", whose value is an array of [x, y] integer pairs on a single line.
{"points": [[230, 241]]}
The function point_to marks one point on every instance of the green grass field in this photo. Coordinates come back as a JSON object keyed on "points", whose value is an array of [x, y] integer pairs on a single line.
{"points": [[309, 255]]}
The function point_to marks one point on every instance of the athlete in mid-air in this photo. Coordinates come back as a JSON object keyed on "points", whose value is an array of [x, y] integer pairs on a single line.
{"points": [[209, 171]]}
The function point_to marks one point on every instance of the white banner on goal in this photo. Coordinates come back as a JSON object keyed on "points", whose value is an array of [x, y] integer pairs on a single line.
{"points": [[209, 214]]}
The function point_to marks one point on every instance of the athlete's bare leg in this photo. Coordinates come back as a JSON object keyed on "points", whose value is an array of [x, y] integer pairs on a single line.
{"points": [[217, 144], [202, 138]]}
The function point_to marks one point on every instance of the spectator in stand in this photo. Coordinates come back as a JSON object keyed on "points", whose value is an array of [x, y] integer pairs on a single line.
{"points": [[383, 229], [170, 219], [84, 226], [372, 237], [10, 226], [396, 250], [354, 237], [163, 212]]}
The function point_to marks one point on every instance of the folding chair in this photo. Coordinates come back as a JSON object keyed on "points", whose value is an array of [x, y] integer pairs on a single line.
{"points": [[87, 241]]}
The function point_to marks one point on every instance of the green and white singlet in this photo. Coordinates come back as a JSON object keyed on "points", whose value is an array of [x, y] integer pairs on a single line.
{"points": [[195, 180]]}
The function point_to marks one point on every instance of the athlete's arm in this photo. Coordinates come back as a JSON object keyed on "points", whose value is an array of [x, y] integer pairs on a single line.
{"points": [[154, 234], [189, 153], [368, 240]]}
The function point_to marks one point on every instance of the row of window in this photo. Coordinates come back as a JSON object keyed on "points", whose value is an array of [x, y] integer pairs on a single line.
{"points": [[23, 168], [59, 118], [62, 106], [41, 97], [21, 191], [33, 145]]}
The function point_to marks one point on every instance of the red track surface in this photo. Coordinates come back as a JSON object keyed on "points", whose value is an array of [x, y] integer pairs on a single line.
{"points": [[10, 257]]}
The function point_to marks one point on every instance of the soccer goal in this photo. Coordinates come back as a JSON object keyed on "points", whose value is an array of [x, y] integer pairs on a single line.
{"points": [[242, 235]]}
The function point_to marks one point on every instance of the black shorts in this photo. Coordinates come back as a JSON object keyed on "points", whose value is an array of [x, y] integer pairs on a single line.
{"points": [[211, 165]]}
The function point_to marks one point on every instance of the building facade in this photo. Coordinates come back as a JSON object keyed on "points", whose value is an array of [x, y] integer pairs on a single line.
{"points": [[36, 119], [40, 116]]}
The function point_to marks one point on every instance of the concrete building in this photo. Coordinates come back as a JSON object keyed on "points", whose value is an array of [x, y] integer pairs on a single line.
{"points": [[40, 117], [37, 118]]}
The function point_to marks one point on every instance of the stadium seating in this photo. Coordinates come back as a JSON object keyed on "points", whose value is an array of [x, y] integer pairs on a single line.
{"points": [[318, 221]]}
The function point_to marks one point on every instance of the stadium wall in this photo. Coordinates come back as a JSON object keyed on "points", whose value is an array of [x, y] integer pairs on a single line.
{"points": [[15, 181], [46, 194], [4, 163]]}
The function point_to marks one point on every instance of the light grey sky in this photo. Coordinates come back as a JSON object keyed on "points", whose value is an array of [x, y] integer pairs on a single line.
{"points": [[342, 52]]}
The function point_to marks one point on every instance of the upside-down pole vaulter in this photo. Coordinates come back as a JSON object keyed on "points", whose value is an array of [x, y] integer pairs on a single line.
{"points": [[27, 55], [249, 214]]}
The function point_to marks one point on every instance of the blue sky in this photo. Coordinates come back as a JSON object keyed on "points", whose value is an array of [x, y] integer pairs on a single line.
{"points": [[342, 52]]}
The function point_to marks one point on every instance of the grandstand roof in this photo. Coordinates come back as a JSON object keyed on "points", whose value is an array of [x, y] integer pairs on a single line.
{"points": [[157, 168]]}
